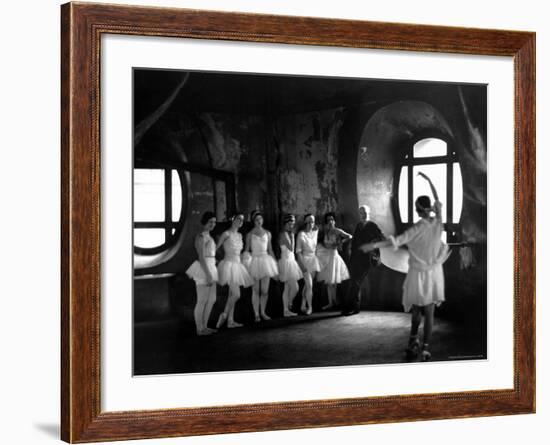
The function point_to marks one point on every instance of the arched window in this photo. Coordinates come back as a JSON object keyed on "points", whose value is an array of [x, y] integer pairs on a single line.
{"points": [[158, 204], [436, 159]]}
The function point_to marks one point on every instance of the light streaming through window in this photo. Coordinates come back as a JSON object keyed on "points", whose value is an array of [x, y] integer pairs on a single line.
{"points": [[149, 238], [438, 174], [176, 196], [157, 206], [148, 195], [431, 157], [457, 193], [429, 147], [404, 194]]}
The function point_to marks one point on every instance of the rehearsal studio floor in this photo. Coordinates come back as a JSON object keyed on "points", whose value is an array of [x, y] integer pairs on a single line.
{"points": [[319, 340]]}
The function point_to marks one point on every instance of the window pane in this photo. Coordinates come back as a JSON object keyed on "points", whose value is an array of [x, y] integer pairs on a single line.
{"points": [[148, 195], [176, 196], [404, 194], [429, 147], [149, 238], [438, 174], [457, 192]]}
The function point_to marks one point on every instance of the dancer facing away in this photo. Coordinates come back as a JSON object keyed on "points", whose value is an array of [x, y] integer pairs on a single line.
{"points": [[366, 231], [333, 268], [262, 265], [289, 271], [203, 271], [424, 287], [306, 246], [231, 271]]}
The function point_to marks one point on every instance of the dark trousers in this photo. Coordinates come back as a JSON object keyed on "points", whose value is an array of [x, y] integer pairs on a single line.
{"points": [[359, 268]]}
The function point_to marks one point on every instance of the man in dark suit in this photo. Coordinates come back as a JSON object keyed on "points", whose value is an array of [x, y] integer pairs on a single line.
{"points": [[366, 231]]}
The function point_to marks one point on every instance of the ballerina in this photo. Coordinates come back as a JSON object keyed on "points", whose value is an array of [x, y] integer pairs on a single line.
{"points": [[306, 246], [333, 268], [424, 285], [231, 271], [203, 271], [289, 271], [261, 266]]}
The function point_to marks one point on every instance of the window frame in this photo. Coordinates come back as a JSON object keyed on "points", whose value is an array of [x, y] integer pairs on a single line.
{"points": [[407, 159], [183, 169], [167, 224]]}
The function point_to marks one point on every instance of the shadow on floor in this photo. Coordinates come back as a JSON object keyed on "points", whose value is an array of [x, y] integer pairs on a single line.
{"points": [[321, 339]]}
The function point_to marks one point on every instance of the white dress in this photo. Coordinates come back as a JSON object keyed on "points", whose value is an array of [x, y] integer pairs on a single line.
{"points": [[261, 264], [333, 267], [230, 270], [289, 270], [307, 246], [424, 283], [195, 271]]}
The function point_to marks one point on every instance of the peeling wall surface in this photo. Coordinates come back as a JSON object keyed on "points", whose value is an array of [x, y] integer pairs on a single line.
{"points": [[309, 162], [236, 145]]}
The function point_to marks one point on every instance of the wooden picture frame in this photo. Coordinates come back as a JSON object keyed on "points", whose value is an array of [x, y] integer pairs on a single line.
{"points": [[82, 26]]}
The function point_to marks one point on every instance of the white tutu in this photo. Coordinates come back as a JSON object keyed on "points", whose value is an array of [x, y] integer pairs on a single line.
{"points": [[246, 258], [311, 263], [196, 272], [425, 281], [307, 245], [262, 266], [421, 288], [289, 270], [333, 267], [288, 267], [232, 272]]}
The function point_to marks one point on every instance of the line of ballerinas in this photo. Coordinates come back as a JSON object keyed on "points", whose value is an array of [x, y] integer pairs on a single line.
{"points": [[254, 264], [310, 256], [319, 258]]}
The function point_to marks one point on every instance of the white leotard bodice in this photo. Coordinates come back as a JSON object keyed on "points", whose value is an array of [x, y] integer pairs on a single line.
{"points": [[258, 244], [308, 242], [233, 245], [208, 246]]}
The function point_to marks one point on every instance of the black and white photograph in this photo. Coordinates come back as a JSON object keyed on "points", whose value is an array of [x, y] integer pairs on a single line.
{"points": [[242, 222], [284, 221]]}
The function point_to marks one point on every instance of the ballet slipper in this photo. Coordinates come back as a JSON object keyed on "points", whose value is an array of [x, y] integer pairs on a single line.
{"points": [[221, 320], [265, 317], [288, 313], [413, 349], [204, 332], [328, 306], [256, 318], [425, 355], [304, 305], [234, 324], [309, 311]]}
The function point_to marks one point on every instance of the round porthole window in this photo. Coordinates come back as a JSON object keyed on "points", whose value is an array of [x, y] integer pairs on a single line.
{"points": [[158, 203]]}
